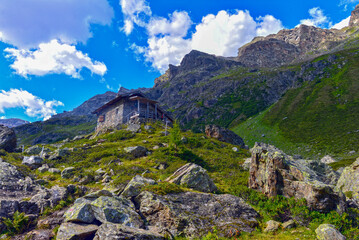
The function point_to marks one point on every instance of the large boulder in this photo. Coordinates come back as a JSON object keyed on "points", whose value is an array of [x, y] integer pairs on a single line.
{"points": [[137, 151], [33, 161], [7, 139], [72, 231], [195, 214], [328, 232], [349, 181], [224, 135], [110, 231], [80, 212], [116, 210], [193, 176], [272, 172], [134, 187]]}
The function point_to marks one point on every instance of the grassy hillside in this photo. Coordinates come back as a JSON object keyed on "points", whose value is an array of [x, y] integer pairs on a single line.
{"points": [[320, 117], [222, 163]]}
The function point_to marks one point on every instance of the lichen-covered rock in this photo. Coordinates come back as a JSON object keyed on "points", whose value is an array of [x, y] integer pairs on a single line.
{"points": [[274, 173], [328, 232], [68, 172], [195, 214], [7, 139], [272, 226], [193, 176], [116, 210], [137, 151], [289, 224], [81, 213], [349, 180], [247, 164], [33, 161], [72, 231], [133, 188], [97, 194], [110, 231], [224, 135]]}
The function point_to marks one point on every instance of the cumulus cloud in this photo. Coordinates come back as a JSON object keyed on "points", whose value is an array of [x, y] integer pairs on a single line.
{"points": [[318, 19], [220, 34], [2, 117], [25, 24], [177, 25], [34, 106], [135, 12], [53, 57], [342, 24]]}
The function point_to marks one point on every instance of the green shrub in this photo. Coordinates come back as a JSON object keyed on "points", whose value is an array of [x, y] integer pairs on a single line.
{"points": [[163, 188], [17, 224], [175, 136], [119, 135]]}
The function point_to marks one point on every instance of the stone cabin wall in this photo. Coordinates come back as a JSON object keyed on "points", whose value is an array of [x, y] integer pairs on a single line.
{"points": [[113, 116]]}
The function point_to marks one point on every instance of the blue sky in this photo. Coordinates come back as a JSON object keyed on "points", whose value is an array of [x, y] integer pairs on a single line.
{"points": [[56, 54]]}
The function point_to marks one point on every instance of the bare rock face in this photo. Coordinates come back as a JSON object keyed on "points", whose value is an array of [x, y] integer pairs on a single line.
{"points": [[289, 46], [7, 139], [193, 176], [224, 135], [354, 18], [272, 172], [195, 214], [349, 180], [110, 231]]}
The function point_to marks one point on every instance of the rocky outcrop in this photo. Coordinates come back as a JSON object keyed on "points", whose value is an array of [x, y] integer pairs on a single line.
{"points": [[12, 122], [110, 231], [354, 18], [193, 176], [33, 161], [72, 231], [22, 194], [328, 232], [224, 135], [195, 214], [272, 172], [289, 46], [7, 139], [349, 181], [135, 186], [151, 216]]}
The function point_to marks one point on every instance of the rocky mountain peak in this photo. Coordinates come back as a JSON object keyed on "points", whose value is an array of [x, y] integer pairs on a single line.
{"points": [[289, 46], [354, 18]]}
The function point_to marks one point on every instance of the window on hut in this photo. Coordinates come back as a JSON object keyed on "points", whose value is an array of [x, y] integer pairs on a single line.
{"points": [[101, 118]]}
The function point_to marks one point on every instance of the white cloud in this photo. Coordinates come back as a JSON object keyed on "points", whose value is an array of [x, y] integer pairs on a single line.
{"points": [[135, 12], [342, 24], [2, 117], [177, 25], [220, 34], [268, 25], [53, 57], [25, 24], [318, 19], [34, 106]]}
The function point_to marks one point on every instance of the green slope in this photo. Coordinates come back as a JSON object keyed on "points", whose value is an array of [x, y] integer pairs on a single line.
{"points": [[320, 117]]}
